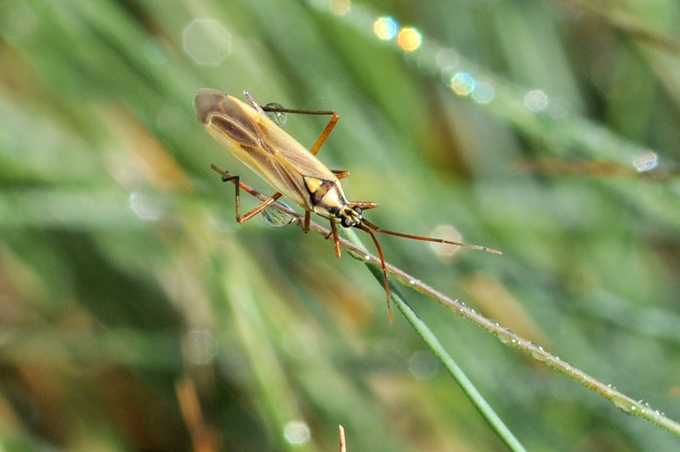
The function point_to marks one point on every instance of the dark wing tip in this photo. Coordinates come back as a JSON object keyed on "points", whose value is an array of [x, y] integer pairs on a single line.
{"points": [[205, 102]]}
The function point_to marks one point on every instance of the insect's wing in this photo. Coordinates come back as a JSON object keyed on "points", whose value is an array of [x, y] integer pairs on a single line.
{"points": [[239, 128], [291, 153]]}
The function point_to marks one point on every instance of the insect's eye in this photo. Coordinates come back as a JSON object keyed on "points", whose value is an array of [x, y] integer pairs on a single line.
{"points": [[358, 210], [345, 222]]}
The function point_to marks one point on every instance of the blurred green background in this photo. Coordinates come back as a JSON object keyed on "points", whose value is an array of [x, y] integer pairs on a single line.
{"points": [[136, 314]]}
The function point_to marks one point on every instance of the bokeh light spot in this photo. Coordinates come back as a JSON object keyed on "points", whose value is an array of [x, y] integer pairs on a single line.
{"points": [[423, 365], [462, 83], [558, 109], [385, 28], [409, 39], [447, 59], [484, 92], [339, 7], [207, 42], [536, 100], [646, 161], [143, 207], [200, 346], [300, 341], [446, 232], [297, 432]]}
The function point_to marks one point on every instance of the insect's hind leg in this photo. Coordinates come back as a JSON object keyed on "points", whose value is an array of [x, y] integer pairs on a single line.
{"points": [[226, 177]]}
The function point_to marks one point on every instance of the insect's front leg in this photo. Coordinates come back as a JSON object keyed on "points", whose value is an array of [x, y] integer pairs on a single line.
{"points": [[307, 222], [253, 102], [340, 174], [336, 239], [365, 205]]}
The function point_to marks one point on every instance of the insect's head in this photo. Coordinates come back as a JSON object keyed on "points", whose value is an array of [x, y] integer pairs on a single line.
{"points": [[350, 216]]}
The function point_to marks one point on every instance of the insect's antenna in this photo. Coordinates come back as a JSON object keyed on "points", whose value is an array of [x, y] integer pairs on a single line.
{"points": [[382, 266], [428, 239]]}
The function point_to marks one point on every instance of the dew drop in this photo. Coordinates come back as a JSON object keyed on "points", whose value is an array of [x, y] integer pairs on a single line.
{"points": [[645, 405], [277, 117], [276, 218], [624, 406], [504, 339], [537, 346]]}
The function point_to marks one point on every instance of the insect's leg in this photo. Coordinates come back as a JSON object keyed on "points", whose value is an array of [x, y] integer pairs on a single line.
{"points": [[257, 209], [365, 205], [307, 222], [252, 102], [243, 218], [327, 131], [340, 174], [226, 177], [330, 233], [336, 238]]}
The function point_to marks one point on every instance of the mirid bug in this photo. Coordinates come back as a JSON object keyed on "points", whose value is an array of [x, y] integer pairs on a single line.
{"points": [[291, 169]]}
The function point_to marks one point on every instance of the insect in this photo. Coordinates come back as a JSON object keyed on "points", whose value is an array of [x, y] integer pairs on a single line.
{"points": [[292, 170]]}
